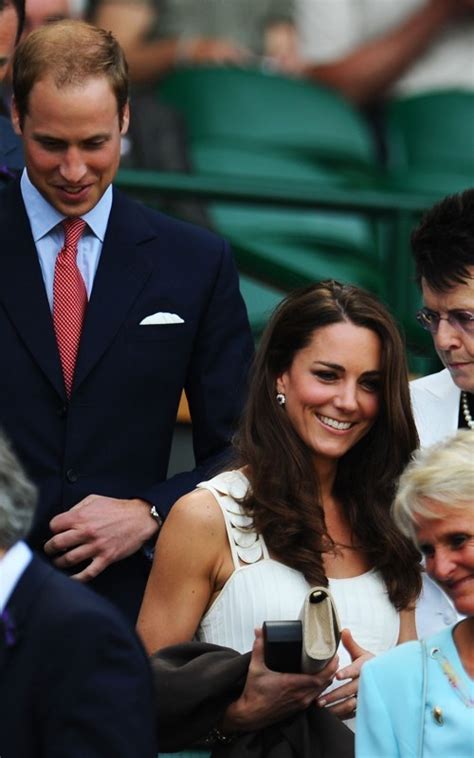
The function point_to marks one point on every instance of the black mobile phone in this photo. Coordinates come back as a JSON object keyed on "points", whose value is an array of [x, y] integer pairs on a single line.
{"points": [[282, 642]]}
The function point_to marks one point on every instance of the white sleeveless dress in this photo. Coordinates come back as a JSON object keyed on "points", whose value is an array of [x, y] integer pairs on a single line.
{"points": [[263, 589]]}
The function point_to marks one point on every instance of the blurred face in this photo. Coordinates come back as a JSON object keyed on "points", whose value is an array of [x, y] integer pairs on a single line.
{"points": [[448, 546], [454, 346], [332, 388], [41, 12], [8, 30], [71, 138]]}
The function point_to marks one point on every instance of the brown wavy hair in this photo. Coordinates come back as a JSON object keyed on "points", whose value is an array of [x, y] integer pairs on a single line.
{"points": [[284, 498]]}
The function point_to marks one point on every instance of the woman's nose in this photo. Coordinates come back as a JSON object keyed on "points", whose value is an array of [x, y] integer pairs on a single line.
{"points": [[447, 337], [440, 565], [346, 398]]}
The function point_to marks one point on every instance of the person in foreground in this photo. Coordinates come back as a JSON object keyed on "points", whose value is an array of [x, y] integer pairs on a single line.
{"points": [[74, 679], [418, 700], [326, 433], [109, 310]]}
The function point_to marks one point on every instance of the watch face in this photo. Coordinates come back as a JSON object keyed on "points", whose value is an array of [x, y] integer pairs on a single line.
{"points": [[156, 515]]}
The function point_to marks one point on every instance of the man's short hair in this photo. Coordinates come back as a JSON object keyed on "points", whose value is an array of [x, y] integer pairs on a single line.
{"points": [[443, 243], [17, 497], [71, 52], [19, 7]]}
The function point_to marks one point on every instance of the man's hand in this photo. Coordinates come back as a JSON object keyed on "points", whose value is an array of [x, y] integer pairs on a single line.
{"points": [[344, 697], [101, 530], [281, 48]]}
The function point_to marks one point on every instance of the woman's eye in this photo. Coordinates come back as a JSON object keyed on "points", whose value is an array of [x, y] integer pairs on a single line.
{"points": [[326, 376], [464, 317], [371, 385], [458, 540], [427, 550]]}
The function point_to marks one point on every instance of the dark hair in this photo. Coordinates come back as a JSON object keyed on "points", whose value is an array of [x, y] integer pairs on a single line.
{"points": [[71, 52], [284, 498], [443, 242], [19, 8]]}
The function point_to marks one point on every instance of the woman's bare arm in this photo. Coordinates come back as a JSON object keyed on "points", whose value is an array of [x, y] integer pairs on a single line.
{"points": [[150, 59], [190, 552], [367, 72]]}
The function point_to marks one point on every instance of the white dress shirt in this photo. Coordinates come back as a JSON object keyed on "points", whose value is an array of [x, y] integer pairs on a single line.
{"points": [[12, 566], [48, 234]]}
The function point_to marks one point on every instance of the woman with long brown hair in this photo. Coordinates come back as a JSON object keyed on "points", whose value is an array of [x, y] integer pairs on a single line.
{"points": [[326, 433]]}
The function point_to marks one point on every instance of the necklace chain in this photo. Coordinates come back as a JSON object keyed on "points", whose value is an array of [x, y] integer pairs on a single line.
{"points": [[465, 411]]}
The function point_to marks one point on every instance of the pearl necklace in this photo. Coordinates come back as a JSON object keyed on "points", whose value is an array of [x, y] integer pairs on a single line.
{"points": [[465, 411]]}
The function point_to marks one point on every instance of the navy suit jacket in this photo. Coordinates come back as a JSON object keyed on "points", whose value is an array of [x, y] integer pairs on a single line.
{"points": [[76, 681], [11, 151], [114, 436]]}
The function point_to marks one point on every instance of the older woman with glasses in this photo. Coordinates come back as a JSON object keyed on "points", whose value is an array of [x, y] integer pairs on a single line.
{"points": [[443, 248], [418, 699]]}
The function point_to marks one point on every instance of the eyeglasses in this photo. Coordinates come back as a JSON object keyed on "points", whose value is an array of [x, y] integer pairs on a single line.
{"points": [[463, 321]]}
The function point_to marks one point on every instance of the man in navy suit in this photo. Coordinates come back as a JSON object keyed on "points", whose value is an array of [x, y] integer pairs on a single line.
{"points": [[163, 313], [74, 679]]}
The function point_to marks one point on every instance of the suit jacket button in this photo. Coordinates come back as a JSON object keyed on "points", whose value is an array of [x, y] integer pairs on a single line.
{"points": [[71, 476], [62, 411]]}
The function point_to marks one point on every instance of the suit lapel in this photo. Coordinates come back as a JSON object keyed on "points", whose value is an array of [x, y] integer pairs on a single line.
{"points": [[448, 397], [20, 602], [120, 277], [438, 408], [22, 288]]}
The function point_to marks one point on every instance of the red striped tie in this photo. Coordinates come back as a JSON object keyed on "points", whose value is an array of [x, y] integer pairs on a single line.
{"points": [[69, 299]]}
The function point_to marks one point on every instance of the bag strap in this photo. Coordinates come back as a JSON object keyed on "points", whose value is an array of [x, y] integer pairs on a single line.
{"points": [[424, 689]]}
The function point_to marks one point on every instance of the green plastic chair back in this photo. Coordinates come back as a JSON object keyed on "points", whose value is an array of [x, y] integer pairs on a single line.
{"points": [[261, 299], [324, 229], [434, 131], [248, 223], [246, 106], [289, 265]]}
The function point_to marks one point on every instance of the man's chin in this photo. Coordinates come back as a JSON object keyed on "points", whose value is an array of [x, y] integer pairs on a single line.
{"points": [[73, 204]]}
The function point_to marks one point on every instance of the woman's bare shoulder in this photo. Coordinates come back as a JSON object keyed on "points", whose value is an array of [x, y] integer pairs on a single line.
{"points": [[198, 509]]}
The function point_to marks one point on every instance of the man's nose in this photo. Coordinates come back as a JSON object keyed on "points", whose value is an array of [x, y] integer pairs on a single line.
{"points": [[73, 167]]}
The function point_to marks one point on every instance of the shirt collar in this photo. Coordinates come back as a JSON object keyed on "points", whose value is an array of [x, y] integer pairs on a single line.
{"points": [[43, 217], [12, 566]]}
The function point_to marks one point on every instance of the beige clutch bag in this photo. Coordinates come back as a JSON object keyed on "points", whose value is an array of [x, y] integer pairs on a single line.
{"points": [[321, 630]]}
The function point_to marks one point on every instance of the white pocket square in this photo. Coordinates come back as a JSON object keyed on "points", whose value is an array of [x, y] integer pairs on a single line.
{"points": [[161, 318]]}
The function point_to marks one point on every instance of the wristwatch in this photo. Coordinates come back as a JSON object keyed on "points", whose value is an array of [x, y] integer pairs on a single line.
{"points": [[154, 514]]}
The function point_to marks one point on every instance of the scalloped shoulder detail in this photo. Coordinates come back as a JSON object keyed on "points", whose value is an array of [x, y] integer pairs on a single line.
{"points": [[231, 487]]}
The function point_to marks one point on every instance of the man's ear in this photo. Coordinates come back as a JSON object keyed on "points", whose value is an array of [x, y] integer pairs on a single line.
{"points": [[125, 119], [15, 117]]}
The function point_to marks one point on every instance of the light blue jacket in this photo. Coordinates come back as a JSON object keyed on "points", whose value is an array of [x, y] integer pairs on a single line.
{"points": [[403, 712]]}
